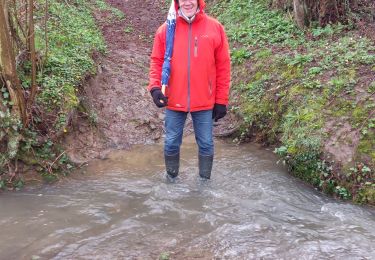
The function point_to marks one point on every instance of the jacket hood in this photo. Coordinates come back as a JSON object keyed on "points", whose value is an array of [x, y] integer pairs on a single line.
{"points": [[201, 4]]}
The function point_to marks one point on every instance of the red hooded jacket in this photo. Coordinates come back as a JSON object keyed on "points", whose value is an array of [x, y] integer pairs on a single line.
{"points": [[200, 65]]}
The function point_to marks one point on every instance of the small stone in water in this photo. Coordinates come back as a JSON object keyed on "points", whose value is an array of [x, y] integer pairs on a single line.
{"points": [[164, 256], [119, 109]]}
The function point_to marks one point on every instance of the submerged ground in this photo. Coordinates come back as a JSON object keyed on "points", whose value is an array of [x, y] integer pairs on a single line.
{"points": [[123, 208]]}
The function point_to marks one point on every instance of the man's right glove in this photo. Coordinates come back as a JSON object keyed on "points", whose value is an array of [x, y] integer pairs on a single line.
{"points": [[159, 99], [219, 111]]}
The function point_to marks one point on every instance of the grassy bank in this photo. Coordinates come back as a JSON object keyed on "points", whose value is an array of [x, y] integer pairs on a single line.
{"points": [[310, 93], [66, 43], [72, 40]]}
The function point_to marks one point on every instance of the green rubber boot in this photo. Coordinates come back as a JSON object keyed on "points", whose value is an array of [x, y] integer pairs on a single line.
{"points": [[172, 164], [205, 165]]}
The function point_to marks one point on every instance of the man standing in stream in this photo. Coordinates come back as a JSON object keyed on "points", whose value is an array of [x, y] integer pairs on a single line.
{"points": [[199, 81]]}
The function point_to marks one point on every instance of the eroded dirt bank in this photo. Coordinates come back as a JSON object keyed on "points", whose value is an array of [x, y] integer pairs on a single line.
{"points": [[119, 105]]}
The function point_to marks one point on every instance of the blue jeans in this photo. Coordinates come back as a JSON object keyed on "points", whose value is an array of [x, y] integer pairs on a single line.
{"points": [[174, 126]]}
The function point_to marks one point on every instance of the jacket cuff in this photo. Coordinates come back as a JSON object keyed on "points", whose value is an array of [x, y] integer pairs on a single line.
{"points": [[220, 105], [221, 102], [151, 89]]}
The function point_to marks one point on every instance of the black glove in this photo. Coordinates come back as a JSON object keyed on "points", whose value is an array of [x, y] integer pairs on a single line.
{"points": [[219, 111], [159, 99]]}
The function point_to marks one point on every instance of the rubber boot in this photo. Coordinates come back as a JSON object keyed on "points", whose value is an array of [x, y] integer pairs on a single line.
{"points": [[172, 164], [205, 166]]}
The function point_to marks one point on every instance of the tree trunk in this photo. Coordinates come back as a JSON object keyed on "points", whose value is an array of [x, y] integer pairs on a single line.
{"points": [[16, 38], [31, 46], [299, 10], [8, 66], [328, 12]]}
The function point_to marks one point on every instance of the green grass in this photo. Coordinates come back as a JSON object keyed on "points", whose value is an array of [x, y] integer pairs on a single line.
{"points": [[103, 6], [251, 23], [73, 37], [297, 82]]}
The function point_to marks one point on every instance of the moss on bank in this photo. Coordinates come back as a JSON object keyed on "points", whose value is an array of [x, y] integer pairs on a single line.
{"points": [[66, 44], [310, 93]]}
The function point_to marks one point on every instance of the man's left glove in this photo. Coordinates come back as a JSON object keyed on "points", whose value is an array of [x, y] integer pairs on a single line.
{"points": [[219, 111], [159, 99]]}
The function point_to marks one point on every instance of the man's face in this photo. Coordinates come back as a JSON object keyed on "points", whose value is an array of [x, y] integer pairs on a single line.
{"points": [[188, 7]]}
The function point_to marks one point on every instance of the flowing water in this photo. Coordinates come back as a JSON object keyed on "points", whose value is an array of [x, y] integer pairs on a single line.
{"points": [[123, 208]]}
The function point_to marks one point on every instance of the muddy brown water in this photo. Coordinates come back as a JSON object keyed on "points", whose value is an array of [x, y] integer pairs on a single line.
{"points": [[123, 208]]}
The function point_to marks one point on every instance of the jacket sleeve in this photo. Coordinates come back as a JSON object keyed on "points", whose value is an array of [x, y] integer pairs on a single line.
{"points": [[157, 59], [222, 61]]}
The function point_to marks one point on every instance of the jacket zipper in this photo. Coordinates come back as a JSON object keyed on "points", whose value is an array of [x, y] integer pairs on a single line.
{"points": [[189, 44], [196, 46], [210, 85]]}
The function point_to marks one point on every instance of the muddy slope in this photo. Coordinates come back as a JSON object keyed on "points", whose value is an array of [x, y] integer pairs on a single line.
{"points": [[121, 111]]}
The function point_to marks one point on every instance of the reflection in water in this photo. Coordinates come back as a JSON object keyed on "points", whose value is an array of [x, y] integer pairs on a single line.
{"points": [[123, 208]]}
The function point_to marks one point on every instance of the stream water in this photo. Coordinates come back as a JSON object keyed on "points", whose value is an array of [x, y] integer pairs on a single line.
{"points": [[124, 208]]}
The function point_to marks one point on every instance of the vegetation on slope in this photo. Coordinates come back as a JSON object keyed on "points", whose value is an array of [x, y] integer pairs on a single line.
{"points": [[66, 39], [309, 92]]}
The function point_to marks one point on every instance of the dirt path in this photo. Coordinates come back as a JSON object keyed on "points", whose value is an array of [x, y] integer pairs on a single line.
{"points": [[119, 103], [120, 106]]}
